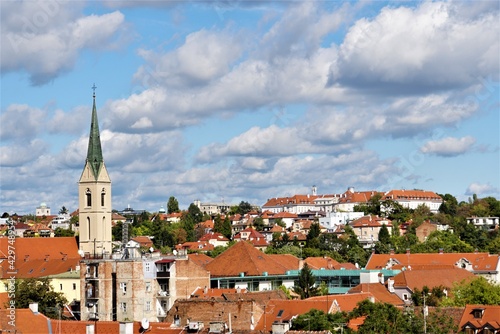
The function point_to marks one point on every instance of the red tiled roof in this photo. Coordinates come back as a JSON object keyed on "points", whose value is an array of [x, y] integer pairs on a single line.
{"points": [[346, 302], [379, 291], [489, 316], [27, 322], [202, 246], [370, 220], [242, 257], [213, 236], [289, 261], [357, 197], [200, 258], [417, 279], [214, 293], [321, 262], [40, 257], [143, 241], [411, 195], [297, 199], [284, 214], [479, 261]]}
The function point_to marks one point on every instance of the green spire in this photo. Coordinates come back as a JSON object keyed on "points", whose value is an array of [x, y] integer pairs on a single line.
{"points": [[94, 152]]}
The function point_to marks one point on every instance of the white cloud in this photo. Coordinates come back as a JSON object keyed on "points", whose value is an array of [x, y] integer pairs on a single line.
{"points": [[449, 146], [16, 155], [427, 47], [205, 56], [481, 189], [44, 38], [21, 122]]}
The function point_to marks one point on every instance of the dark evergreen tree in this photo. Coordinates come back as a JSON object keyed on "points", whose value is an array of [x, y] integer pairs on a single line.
{"points": [[172, 205], [305, 284]]}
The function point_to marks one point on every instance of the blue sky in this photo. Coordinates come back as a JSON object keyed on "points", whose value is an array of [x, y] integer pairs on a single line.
{"points": [[248, 100]]}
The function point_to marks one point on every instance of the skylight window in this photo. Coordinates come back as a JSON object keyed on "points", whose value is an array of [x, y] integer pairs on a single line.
{"points": [[280, 313]]}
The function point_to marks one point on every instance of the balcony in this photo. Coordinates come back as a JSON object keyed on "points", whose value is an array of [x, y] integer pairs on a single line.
{"points": [[163, 294], [163, 274]]}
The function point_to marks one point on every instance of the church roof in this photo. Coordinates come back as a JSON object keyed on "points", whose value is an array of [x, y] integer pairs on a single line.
{"points": [[94, 151]]}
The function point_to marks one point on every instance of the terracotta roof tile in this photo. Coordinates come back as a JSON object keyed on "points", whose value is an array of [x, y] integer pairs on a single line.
{"points": [[479, 261], [379, 291], [242, 257], [417, 279], [321, 262], [200, 258], [485, 315], [40, 257]]}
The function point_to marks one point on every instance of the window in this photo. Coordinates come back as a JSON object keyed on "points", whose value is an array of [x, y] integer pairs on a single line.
{"points": [[123, 287], [405, 296], [123, 307], [103, 196], [478, 313], [147, 266], [88, 196], [60, 286], [148, 286], [147, 306], [74, 286]]}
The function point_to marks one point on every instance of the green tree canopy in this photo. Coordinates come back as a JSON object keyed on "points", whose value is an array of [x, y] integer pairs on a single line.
{"points": [[479, 291], [39, 290], [305, 284], [172, 205]]}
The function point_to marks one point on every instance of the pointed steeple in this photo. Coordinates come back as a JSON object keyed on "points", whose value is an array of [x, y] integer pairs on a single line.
{"points": [[94, 151]]}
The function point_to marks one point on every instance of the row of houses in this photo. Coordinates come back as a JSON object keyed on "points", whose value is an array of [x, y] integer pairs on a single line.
{"points": [[182, 288]]}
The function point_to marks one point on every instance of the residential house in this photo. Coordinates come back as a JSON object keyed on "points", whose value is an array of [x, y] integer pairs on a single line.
{"points": [[270, 230], [137, 288], [424, 230], [38, 230], [43, 257], [487, 223], [31, 321], [484, 319], [213, 208], [279, 314], [405, 283], [238, 310], [251, 235], [196, 246], [288, 218], [244, 266], [143, 242], [337, 218], [367, 229], [412, 199], [215, 239], [294, 204], [349, 199], [42, 210], [481, 264]]}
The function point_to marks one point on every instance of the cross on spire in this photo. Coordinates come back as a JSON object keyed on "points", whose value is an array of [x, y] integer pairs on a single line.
{"points": [[93, 88]]}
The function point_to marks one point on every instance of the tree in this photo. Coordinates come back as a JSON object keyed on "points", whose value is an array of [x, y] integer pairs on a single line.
{"points": [[172, 205], [479, 291], [305, 284], [317, 320], [63, 232], [39, 290], [384, 318], [258, 223], [244, 208], [63, 211]]}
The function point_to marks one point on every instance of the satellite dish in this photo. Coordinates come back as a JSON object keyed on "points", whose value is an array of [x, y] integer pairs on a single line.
{"points": [[175, 252], [81, 253], [145, 323]]}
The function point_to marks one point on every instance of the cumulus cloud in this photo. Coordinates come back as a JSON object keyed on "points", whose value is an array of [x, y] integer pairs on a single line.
{"points": [[21, 122], [427, 47], [480, 189], [44, 38], [205, 56], [449, 146]]}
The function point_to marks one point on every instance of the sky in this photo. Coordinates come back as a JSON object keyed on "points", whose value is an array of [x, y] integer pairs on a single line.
{"points": [[230, 101]]}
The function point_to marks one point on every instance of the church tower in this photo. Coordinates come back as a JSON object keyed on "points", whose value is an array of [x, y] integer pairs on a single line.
{"points": [[94, 197]]}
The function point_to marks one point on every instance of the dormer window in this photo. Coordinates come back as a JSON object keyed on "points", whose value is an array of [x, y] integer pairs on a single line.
{"points": [[478, 313]]}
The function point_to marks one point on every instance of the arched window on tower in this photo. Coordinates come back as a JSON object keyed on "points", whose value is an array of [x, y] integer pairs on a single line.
{"points": [[103, 196], [88, 196]]}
